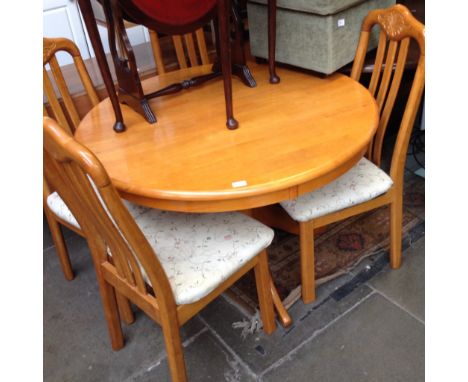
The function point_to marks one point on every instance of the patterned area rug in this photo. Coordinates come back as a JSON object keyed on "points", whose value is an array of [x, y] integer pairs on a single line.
{"points": [[337, 250]]}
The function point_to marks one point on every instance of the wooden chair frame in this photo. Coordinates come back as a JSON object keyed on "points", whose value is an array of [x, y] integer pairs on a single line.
{"points": [[190, 45], [178, 42], [67, 116], [109, 228], [65, 112], [398, 26]]}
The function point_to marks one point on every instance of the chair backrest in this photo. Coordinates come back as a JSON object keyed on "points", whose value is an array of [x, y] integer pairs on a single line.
{"points": [[178, 41], [82, 182], [66, 114], [397, 28]]}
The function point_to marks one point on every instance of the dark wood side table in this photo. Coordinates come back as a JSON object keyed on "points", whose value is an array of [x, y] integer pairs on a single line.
{"points": [[147, 13]]}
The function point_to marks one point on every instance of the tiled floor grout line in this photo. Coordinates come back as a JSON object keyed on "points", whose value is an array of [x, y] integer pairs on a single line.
{"points": [[190, 340], [316, 333], [146, 369], [389, 299], [229, 349]]}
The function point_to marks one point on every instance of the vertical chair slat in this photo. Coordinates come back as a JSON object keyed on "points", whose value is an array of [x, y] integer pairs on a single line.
{"points": [[358, 64], [390, 101], [129, 250], [157, 53], [66, 97], [179, 48], [361, 51], [202, 46], [191, 49], [84, 188], [383, 88], [54, 103], [86, 80], [378, 63]]}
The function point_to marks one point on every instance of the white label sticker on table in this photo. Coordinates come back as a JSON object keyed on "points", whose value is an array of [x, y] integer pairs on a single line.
{"points": [[239, 183]]}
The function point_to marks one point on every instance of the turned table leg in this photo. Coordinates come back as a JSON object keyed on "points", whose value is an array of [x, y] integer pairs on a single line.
{"points": [[90, 22], [224, 47], [274, 79]]}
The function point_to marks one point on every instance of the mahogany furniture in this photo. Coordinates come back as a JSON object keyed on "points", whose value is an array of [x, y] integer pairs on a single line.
{"points": [[159, 260], [366, 186], [297, 136], [174, 18]]}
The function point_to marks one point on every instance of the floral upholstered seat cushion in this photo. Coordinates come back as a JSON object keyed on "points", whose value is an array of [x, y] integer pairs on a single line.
{"points": [[59, 208], [200, 251], [363, 182], [197, 251]]}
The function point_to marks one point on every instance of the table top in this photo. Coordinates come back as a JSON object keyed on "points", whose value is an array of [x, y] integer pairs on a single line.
{"points": [[292, 138]]}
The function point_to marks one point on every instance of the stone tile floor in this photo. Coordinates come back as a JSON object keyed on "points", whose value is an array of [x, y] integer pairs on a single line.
{"points": [[367, 325]]}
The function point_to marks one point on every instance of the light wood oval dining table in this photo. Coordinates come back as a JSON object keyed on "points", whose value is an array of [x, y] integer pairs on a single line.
{"points": [[293, 137]]}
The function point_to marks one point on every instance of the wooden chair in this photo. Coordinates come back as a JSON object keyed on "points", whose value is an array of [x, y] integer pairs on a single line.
{"points": [[64, 110], [66, 113], [169, 264], [178, 42], [366, 186]]}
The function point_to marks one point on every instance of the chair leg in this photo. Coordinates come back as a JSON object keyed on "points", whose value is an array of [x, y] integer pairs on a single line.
{"points": [[396, 221], [111, 312], [265, 299], [108, 297], [125, 309], [60, 246], [175, 355], [306, 238]]}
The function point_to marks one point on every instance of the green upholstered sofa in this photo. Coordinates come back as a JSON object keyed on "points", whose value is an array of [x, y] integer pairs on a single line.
{"points": [[319, 35]]}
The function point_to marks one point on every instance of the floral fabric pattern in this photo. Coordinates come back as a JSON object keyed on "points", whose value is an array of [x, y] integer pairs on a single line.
{"points": [[59, 208], [197, 251], [365, 181], [200, 251]]}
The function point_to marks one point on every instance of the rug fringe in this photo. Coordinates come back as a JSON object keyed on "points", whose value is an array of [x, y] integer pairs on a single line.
{"points": [[251, 326]]}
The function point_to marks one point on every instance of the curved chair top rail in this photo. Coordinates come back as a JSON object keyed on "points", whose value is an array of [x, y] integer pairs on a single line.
{"points": [[51, 46], [64, 111], [397, 22]]}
